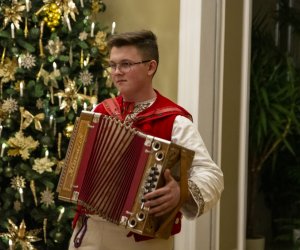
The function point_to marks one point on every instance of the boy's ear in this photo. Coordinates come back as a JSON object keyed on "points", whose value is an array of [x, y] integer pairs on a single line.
{"points": [[152, 67]]}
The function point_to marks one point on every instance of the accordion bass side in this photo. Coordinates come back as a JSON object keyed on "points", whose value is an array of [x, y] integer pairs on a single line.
{"points": [[110, 166]]}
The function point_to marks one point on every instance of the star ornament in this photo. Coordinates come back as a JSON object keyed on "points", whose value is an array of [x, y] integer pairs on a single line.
{"points": [[47, 197], [18, 235], [18, 182], [28, 61]]}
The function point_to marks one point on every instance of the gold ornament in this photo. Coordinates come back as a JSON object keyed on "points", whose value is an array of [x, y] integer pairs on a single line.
{"points": [[3, 55], [86, 77], [13, 14], [10, 105], [47, 197], [3, 116], [38, 75], [71, 96], [97, 6], [54, 10], [19, 237], [18, 182], [33, 191], [8, 70], [59, 145], [83, 36], [68, 130], [45, 229], [27, 61], [17, 206], [42, 165], [49, 78], [52, 16], [26, 28], [27, 118], [71, 55], [69, 8], [81, 58], [21, 145], [55, 47], [41, 39], [100, 42]]}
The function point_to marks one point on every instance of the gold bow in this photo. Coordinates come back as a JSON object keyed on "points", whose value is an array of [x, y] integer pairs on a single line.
{"points": [[29, 118], [13, 14], [49, 77]]}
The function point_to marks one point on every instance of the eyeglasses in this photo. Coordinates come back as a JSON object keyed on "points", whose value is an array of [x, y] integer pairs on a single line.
{"points": [[123, 67]]}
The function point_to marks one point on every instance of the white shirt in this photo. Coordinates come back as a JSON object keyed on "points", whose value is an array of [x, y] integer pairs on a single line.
{"points": [[205, 177]]}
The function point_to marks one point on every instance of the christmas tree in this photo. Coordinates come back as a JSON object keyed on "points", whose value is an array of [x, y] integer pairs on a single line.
{"points": [[53, 58]]}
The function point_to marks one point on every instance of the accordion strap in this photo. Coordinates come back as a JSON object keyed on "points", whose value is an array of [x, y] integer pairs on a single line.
{"points": [[112, 108], [80, 234], [165, 228]]}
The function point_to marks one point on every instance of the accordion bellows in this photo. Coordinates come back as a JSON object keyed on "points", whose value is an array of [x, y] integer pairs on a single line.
{"points": [[110, 166]]}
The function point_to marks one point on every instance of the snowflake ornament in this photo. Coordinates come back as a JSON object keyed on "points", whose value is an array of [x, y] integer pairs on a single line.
{"points": [[39, 103], [86, 78], [47, 197], [27, 61], [10, 105]]}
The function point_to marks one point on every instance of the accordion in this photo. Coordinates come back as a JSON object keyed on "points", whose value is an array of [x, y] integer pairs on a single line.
{"points": [[110, 166]]}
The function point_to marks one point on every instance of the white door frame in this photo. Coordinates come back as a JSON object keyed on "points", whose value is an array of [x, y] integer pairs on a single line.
{"points": [[200, 92], [244, 121]]}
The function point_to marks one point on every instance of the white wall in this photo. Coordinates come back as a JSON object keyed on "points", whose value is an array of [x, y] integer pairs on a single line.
{"points": [[162, 17]]}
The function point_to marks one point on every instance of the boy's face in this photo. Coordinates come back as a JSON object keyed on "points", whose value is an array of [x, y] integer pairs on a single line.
{"points": [[134, 82]]}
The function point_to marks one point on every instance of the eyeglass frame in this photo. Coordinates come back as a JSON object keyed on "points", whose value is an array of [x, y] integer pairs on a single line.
{"points": [[114, 66]]}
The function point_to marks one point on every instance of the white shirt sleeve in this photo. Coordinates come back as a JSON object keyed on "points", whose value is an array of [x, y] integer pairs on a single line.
{"points": [[205, 177]]}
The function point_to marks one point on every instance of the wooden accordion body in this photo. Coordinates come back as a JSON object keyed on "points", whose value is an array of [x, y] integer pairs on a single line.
{"points": [[109, 167]]}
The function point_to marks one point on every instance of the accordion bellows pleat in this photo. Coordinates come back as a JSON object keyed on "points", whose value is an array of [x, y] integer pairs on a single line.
{"points": [[109, 166]]}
